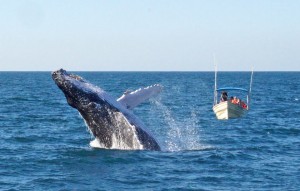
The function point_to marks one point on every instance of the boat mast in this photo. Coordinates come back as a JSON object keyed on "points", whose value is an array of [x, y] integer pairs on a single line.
{"points": [[250, 88], [215, 91], [251, 81]]}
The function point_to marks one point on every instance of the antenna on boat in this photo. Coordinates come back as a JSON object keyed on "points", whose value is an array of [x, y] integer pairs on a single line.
{"points": [[215, 91]]}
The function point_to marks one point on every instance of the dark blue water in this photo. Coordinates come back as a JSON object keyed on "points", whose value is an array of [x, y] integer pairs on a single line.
{"points": [[44, 143]]}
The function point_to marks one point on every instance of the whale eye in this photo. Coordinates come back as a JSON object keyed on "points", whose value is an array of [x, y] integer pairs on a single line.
{"points": [[92, 105]]}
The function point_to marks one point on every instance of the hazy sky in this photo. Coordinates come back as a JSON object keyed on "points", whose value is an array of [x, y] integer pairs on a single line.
{"points": [[149, 35]]}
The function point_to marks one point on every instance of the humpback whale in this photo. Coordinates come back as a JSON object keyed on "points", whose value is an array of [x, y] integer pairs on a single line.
{"points": [[110, 121]]}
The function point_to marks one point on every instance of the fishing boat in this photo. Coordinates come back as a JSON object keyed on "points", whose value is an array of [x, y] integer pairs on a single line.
{"points": [[234, 107]]}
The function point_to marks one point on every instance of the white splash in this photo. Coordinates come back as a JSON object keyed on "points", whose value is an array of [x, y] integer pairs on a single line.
{"points": [[124, 136], [180, 135], [96, 144]]}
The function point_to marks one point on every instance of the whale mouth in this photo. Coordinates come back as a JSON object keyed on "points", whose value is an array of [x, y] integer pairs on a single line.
{"points": [[58, 73], [61, 79]]}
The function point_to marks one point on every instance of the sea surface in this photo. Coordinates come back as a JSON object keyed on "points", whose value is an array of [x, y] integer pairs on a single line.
{"points": [[44, 143]]}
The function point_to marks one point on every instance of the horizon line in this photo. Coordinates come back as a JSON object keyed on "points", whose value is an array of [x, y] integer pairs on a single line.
{"points": [[152, 70]]}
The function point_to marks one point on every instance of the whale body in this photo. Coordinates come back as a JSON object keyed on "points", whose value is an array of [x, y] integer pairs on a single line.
{"points": [[111, 122]]}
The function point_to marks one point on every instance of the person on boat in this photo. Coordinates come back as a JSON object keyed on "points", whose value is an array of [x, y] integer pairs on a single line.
{"points": [[224, 96], [231, 99], [243, 105], [235, 100], [238, 101]]}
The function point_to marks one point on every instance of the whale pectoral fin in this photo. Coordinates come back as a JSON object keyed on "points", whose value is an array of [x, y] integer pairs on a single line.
{"points": [[134, 98]]}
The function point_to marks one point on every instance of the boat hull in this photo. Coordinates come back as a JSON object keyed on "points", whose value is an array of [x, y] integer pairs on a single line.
{"points": [[228, 110]]}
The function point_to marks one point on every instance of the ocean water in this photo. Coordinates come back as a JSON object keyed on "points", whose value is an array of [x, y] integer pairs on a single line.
{"points": [[44, 143]]}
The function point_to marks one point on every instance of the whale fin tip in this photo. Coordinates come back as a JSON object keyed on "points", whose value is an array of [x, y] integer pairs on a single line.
{"points": [[133, 98]]}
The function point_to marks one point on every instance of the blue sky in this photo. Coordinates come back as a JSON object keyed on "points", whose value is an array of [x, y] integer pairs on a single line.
{"points": [[149, 35]]}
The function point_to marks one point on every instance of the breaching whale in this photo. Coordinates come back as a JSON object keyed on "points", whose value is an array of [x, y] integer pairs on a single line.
{"points": [[110, 121]]}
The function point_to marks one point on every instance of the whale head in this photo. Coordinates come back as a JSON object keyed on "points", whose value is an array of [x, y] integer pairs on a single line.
{"points": [[78, 92]]}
